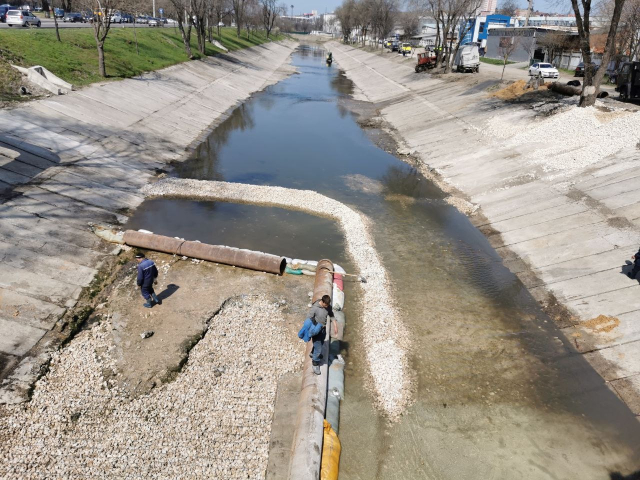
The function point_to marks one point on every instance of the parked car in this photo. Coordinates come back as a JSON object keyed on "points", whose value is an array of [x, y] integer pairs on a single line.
{"points": [[3, 12], [580, 69], [395, 46], [23, 18], [155, 22], [116, 18], [127, 18], [628, 81], [142, 19], [74, 17], [88, 16], [58, 13], [543, 70]]}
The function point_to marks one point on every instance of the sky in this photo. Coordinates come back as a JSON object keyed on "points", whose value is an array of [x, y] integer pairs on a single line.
{"points": [[305, 6]]}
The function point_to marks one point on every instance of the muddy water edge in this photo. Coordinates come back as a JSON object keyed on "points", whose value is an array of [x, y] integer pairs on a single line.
{"points": [[499, 392]]}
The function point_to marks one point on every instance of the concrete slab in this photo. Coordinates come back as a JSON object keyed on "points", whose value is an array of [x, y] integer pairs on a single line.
{"points": [[17, 339], [620, 361], [27, 310], [627, 389]]}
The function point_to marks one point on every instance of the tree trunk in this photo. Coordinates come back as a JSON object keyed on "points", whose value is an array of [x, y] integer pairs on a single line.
{"points": [[503, 67], [101, 66], [55, 21], [135, 36]]}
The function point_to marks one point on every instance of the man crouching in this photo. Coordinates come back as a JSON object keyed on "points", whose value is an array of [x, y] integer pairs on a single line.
{"points": [[320, 310]]}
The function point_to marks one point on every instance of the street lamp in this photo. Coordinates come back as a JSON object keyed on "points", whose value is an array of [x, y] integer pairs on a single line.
{"points": [[292, 12]]}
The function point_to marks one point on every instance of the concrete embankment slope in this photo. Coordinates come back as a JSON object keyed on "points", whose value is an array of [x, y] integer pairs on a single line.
{"points": [[83, 157], [557, 194]]}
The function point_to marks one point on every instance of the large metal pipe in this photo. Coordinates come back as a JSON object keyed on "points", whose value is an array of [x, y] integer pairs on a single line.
{"points": [[306, 451], [262, 262]]}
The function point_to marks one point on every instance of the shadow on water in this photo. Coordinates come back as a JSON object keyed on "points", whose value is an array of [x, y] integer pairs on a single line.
{"points": [[499, 391]]}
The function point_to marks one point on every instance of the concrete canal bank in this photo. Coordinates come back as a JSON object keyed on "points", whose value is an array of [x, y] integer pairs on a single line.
{"points": [[83, 157], [557, 194]]}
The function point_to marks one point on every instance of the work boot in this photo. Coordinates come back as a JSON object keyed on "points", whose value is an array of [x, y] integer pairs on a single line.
{"points": [[155, 298], [316, 369], [148, 304]]}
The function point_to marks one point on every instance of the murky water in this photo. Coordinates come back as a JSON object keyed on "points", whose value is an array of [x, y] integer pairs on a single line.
{"points": [[499, 392]]}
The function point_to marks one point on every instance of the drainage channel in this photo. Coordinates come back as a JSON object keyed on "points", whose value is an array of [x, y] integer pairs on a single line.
{"points": [[498, 391]]}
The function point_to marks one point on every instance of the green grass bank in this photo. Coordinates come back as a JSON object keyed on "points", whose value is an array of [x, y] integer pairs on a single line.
{"points": [[75, 59]]}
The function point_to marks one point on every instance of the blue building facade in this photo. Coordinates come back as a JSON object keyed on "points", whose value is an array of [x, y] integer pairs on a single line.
{"points": [[478, 28]]}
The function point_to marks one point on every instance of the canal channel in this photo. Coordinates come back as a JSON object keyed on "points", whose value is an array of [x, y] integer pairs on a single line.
{"points": [[499, 392]]}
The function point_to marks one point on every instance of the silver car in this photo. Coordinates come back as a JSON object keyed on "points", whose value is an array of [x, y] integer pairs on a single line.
{"points": [[24, 18]]}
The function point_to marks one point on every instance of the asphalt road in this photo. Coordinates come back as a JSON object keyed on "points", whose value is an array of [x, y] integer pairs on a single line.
{"points": [[49, 23]]}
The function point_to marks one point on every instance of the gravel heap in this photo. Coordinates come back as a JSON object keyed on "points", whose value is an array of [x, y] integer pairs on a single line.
{"points": [[212, 421], [385, 338], [572, 139]]}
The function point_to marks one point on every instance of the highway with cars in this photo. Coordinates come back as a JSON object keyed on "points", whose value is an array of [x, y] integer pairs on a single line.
{"points": [[49, 23]]}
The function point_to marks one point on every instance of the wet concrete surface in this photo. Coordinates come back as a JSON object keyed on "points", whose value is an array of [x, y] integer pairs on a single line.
{"points": [[500, 393]]}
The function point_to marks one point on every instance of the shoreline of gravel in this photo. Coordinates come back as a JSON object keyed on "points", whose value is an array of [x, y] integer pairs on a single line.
{"points": [[386, 341], [214, 420]]}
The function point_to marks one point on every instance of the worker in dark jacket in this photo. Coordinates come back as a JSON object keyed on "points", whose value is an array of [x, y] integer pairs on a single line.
{"points": [[636, 265], [320, 310], [147, 274]]}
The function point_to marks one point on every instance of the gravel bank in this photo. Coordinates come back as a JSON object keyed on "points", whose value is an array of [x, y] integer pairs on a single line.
{"points": [[573, 139], [213, 421], [385, 338]]}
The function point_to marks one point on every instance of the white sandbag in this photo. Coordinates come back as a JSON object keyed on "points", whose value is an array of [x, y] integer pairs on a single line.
{"points": [[338, 269], [337, 298]]}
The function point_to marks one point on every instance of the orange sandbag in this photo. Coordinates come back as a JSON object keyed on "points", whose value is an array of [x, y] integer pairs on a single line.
{"points": [[330, 454]]}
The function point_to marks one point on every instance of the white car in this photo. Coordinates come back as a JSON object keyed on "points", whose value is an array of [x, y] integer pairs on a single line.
{"points": [[543, 70], [24, 18], [116, 18]]}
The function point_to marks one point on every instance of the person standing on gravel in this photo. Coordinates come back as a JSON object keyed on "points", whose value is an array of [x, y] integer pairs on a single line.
{"points": [[320, 310], [147, 274]]}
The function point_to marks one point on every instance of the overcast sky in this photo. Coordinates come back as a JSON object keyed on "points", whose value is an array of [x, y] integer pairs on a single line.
{"points": [[305, 6]]}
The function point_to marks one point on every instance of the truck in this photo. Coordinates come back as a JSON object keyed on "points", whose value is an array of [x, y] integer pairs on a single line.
{"points": [[628, 81], [468, 58]]}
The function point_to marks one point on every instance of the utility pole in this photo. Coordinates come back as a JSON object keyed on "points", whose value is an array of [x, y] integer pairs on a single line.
{"points": [[529, 8], [154, 8]]}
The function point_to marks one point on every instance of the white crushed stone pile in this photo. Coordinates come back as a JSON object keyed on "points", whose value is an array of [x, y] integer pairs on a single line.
{"points": [[384, 337], [571, 140], [202, 425]]}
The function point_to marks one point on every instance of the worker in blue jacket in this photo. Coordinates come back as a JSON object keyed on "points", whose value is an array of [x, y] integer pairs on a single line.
{"points": [[147, 274]]}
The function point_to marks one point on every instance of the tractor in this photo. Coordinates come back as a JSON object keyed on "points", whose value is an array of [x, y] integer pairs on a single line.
{"points": [[426, 60]]}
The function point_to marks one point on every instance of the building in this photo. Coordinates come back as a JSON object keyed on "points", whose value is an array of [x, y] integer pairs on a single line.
{"points": [[535, 44], [488, 7], [478, 29]]}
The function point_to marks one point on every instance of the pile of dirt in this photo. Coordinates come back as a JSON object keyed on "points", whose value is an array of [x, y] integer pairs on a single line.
{"points": [[511, 91], [602, 323]]}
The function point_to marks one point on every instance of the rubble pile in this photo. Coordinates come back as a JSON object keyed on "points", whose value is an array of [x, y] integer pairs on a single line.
{"points": [[384, 336], [212, 421]]}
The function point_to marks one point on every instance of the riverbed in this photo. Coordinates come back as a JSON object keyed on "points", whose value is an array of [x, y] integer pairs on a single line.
{"points": [[498, 391]]}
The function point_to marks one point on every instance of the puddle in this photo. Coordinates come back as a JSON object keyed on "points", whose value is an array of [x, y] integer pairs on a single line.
{"points": [[498, 393]]}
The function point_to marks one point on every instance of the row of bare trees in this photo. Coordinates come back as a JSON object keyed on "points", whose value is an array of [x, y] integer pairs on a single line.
{"points": [[375, 19], [367, 19], [200, 16]]}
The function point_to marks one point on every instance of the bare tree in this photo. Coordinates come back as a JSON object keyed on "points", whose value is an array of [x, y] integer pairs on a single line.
{"points": [[199, 14], [184, 18], [102, 11], [382, 17], [52, 9], [270, 12], [345, 14], [239, 9], [507, 46], [591, 84], [219, 10], [508, 7], [410, 23]]}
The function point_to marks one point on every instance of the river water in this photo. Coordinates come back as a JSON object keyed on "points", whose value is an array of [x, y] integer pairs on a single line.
{"points": [[499, 392]]}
